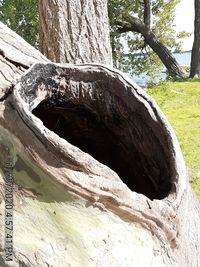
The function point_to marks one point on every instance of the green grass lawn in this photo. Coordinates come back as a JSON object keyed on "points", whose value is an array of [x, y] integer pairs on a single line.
{"points": [[180, 101]]}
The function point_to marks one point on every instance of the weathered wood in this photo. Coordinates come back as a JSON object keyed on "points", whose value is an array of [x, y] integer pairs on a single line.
{"points": [[82, 140], [16, 55]]}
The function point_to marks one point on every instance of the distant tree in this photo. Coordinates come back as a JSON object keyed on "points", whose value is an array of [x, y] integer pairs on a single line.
{"points": [[195, 60], [148, 28], [147, 14]]}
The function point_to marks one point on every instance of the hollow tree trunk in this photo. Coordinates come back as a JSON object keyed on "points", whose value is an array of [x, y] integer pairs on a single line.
{"points": [[136, 25], [195, 60], [99, 178], [90, 39]]}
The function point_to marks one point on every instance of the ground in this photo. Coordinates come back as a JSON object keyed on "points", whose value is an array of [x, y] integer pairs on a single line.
{"points": [[180, 101]]}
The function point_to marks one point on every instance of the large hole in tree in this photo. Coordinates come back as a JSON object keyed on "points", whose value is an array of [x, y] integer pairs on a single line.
{"points": [[128, 147]]}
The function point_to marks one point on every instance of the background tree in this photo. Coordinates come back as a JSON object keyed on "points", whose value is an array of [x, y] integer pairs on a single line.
{"points": [[147, 13], [195, 60], [78, 32], [141, 23]]}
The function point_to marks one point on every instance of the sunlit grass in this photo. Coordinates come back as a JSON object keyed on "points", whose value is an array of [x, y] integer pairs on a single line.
{"points": [[180, 101]]}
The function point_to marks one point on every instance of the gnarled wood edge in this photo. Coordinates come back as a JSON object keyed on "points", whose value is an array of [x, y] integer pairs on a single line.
{"points": [[89, 178], [16, 56]]}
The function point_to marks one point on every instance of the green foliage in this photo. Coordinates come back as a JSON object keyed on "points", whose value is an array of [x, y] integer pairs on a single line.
{"points": [[141, 58], [180, 101], [183, 34], [21, 16]]}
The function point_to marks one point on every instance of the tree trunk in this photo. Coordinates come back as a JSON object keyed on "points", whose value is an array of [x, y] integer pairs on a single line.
{"points": [[147, 14], [88, 42], [99, 178], [136, 25], [195, 60]]}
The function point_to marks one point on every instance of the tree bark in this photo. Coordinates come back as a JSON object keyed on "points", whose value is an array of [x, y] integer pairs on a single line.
{"points": [[99, 177], [88, 42], [195, 59], [135, 25], [147, 14]]}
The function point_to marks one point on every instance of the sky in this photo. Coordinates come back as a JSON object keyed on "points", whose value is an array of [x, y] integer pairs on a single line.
{"points": [[185, 21]]}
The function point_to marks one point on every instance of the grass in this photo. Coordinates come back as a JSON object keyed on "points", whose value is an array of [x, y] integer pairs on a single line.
{"points": [[180, 101]]}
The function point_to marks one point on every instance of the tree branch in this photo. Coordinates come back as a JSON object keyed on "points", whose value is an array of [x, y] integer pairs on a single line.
{"points": [[133, 24]]}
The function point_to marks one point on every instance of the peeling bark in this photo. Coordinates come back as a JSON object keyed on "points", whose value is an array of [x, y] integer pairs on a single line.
{"points": [[99, 177]]}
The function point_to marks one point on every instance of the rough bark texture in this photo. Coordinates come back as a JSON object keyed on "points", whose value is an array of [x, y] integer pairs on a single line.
{"points": [[67, 128], [88, 42], [136, 25], [147, 14], [195, 60]]}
